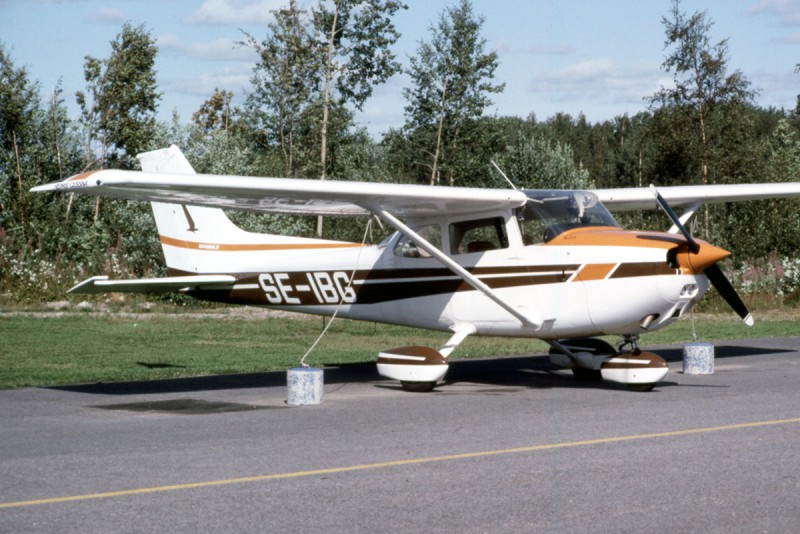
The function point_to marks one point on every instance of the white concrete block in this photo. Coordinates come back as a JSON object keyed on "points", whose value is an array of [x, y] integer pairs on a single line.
{"points": [[698, 359], [305, 386]]}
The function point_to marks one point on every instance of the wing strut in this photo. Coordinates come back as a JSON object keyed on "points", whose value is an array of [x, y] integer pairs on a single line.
{"points": [[685, 216], [465, 275]]}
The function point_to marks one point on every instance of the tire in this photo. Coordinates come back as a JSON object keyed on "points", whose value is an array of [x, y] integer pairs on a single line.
{"points": [[418, 387]]}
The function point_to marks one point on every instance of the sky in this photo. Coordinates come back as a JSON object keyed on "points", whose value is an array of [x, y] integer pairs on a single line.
{"points": [[601, 59]]}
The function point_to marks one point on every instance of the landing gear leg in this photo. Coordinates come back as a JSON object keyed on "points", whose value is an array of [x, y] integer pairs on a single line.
{"points": [[593, 346], [630, 343]]}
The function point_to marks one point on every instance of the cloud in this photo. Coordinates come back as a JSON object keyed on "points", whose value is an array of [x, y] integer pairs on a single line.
{"points": [[601, 79], [536, 49], [220, 49], [107, 16], [792, 38], [788, 11], [235, 79], [227, 12]]}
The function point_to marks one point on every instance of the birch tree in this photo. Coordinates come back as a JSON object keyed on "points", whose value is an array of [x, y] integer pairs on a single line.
{"points": [[451, 86]]}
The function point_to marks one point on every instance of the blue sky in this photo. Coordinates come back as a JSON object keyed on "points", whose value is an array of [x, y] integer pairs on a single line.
{"points": [[575, 56]]}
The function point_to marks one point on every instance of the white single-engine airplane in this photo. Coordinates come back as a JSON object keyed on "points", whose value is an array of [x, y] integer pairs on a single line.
{"points": [[546, 264]]}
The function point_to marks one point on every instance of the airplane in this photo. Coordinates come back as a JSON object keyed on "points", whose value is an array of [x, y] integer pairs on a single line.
{"points": [[546, 264]]}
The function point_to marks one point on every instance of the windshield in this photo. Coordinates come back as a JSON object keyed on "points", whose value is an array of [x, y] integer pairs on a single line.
{"points": [[549, 213]]}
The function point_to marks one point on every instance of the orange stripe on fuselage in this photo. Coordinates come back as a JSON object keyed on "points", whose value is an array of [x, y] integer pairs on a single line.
{"points": [[80, 176], [614, 237], [596, 271], [228, 247]]}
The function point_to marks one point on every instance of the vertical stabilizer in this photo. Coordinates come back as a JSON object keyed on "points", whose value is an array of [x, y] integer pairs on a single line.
{"points": [[187, 233]]}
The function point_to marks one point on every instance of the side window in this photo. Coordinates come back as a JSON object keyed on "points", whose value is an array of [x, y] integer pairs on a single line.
{"points": [[406, 248], [532, 231], [478, 235]]}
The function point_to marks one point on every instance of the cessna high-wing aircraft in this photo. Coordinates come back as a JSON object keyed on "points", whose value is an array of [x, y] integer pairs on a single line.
{"points": [[546, 264]]}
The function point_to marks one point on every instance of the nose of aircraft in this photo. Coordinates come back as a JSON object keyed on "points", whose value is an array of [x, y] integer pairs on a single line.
{"points": [[697, 263]]}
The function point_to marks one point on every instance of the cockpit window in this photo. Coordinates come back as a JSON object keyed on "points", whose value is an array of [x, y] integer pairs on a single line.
{"points": [[550, 213]]}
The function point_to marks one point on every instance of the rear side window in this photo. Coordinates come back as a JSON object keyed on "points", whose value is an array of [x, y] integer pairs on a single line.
{"points": [[478, 235]]}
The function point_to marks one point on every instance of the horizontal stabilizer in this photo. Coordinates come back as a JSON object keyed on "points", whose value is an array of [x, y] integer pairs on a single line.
{"points": [[101, 284]]}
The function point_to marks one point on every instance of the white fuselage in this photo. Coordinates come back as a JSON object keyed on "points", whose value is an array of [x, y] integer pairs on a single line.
{"points": [[604, 284]]}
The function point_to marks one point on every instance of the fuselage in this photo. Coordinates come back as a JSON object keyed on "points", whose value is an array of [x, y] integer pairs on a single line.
{"points": [[586, 280]]}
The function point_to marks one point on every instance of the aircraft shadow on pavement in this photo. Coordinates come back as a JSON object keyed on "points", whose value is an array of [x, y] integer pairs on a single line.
{"points": [[533, 371]]}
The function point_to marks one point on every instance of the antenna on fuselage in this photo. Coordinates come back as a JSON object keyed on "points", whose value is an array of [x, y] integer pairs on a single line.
{"points": [[496, 166]]}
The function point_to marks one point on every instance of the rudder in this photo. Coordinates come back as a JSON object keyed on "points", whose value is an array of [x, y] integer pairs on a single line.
{"points": [[184, 229]]}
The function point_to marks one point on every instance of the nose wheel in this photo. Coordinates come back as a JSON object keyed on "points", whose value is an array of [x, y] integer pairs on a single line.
{"points": [[593, 359]]}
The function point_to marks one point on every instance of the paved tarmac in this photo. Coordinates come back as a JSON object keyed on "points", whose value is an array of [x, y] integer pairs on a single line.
{"points": [[507, 445]]}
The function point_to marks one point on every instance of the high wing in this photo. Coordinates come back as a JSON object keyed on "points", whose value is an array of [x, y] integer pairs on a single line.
{"points": [[692, 196], [316, 197], [289, 196]]}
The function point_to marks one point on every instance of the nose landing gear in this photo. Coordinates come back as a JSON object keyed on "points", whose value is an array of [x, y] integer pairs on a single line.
{"points": [[595, 359]]}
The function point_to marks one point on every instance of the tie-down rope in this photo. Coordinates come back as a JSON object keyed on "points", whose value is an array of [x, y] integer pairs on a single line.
{"points": [[341, 299]]}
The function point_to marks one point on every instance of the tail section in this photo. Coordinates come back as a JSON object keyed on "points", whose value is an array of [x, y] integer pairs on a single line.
{"points": [[184, 230], [201, 240]]}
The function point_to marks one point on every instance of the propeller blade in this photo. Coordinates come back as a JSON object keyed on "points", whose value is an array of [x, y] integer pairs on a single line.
{"points": [[693, 245], [723, 285]]}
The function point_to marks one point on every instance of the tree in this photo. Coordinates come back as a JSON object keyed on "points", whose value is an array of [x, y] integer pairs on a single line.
{"points": [[700, 74], [357, 35], [19, 99], [283, 82], [451, 77], [309, 74], [702, 82], [537, 162], [124, 99], [769, 226], [215, 113]]}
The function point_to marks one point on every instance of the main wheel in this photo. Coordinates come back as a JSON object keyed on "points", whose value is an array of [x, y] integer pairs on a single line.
{"points": [[587, 375], [417, 387], [641, 387]]}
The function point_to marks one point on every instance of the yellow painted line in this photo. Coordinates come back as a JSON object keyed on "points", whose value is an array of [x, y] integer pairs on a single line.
{"points": [[396, 463]]}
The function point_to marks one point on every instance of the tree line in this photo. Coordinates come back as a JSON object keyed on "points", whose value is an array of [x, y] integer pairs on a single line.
{"points": [[316, 66]]}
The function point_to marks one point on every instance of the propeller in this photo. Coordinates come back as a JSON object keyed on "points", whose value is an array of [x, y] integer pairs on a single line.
{"points": [[713, 272]]}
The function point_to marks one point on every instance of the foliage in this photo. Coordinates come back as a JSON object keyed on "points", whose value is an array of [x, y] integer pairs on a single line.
{"points": [[773, 275], [282, 83], [451, 82], [216, 113], [19, 98], [537, 162], [703, 90], [355, 37], [706, 128], [123, 94], [312, 65]]}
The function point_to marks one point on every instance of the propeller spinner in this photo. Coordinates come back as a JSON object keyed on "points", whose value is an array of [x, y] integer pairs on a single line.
{"points": [[712, 270]]}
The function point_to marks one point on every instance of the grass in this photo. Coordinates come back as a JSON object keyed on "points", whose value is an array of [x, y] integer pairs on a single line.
{"points": [[78, 348]]}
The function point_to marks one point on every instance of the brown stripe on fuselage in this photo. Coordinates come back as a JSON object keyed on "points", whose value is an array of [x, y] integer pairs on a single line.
{"points": [[632, 270], [386, 285]]}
